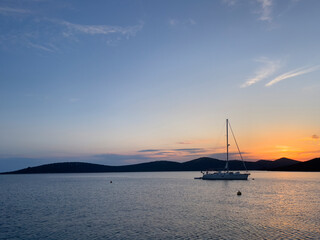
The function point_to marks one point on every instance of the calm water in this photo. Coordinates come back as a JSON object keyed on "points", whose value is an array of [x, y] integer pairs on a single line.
{"points": [[276, 205]]}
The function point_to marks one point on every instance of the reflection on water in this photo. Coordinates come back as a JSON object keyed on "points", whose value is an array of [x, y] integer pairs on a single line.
{"points": [[276, 205]]}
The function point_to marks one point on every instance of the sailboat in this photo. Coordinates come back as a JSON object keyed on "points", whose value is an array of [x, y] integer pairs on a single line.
{"points": [[226, 174]]}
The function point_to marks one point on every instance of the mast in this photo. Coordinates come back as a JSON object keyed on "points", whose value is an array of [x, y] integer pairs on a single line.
{"points": [[227, 163]]}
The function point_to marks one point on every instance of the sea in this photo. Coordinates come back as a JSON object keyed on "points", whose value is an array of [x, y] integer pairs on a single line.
{"points": [[159, 205]]}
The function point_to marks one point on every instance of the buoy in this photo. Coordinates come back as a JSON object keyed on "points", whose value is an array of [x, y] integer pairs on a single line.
{"points": [[238, 193], [110, 181]]}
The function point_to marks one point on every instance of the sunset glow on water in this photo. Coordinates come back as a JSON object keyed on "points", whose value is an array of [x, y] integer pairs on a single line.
{"points": [[275, 205]]}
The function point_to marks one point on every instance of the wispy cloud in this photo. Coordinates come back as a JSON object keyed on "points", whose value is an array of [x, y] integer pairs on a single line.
{"points": [[291, 74], [229, 2], [269, 67], [186, 22], [190, 150], [312, 138], [262, 7], [173, 22], [44, 48], [232, 155], [120, 159], [183, 143], [10, 11], [100, 29], [149, 150], [180, 154], [187, 150], [265, 10], [49, 34]]}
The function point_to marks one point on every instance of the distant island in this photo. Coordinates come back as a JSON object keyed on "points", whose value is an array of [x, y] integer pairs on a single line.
{"points": [[200, 164], [308, 166]]}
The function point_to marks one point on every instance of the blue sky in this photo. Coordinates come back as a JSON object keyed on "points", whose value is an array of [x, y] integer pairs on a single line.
{"points": [[119, 82]]}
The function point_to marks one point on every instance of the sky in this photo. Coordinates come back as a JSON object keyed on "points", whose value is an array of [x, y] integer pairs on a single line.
{"points": [[122, 82]]}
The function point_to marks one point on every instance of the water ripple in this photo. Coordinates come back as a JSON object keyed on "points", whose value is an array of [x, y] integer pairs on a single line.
{"points": [[159, 206]]}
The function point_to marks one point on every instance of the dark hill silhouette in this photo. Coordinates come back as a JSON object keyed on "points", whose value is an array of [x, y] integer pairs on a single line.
{"points": [[282, 162], [200, 164], [81, 167], [65, 167], [310, 166], [157, 166]]}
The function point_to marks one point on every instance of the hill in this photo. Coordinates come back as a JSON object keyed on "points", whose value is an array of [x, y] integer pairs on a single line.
{"points": [[200, 164], [308, 166], [268, 165], [82, 167]]}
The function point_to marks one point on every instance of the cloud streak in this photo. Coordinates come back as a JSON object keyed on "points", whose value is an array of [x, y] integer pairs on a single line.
{"points": [[190, 150], [232, 155], [38, 46], [266, 9], [183, 143], [145, 155], [149, 150], [100, 29], [187, 22], [173, 151], [120, 159], [291, 74], [229, 2], [10, 11], [269, 68], [47, 34]]}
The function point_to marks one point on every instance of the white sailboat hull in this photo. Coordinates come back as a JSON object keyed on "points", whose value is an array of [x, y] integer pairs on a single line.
{"points": [[226, 176]]}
